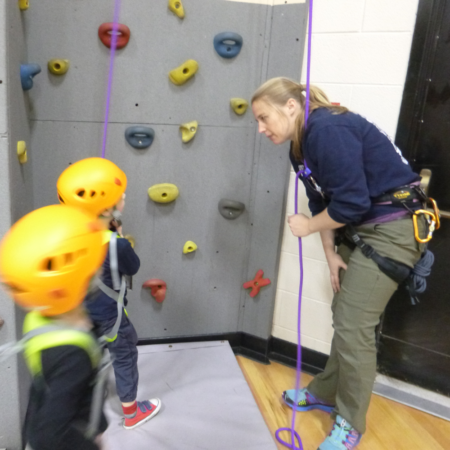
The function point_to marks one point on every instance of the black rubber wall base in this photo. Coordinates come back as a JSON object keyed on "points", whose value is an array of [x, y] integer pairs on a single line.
{"points": [[259, 349]]}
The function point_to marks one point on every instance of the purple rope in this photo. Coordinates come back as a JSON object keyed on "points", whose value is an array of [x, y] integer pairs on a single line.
{"points": [[294, 434], [114, 34], [308, 65]]}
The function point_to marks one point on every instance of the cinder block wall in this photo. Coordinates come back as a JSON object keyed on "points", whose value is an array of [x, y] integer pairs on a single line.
{"points": [[360, 53]]}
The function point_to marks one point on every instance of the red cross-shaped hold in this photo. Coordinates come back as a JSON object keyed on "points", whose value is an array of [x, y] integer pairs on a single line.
{"points": [[257, 283]]}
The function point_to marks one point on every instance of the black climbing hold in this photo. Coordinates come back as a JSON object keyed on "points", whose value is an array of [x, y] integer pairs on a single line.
{"points": [[231, 209], [139, 137]]}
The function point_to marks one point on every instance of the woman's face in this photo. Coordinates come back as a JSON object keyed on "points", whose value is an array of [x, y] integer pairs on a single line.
{"points": [[278, 124]]}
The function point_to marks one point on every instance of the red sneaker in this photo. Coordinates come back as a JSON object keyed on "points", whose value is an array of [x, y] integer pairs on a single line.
{"points": [[144, 411]]}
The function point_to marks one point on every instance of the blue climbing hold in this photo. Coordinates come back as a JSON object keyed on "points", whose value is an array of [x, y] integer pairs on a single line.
{"points": [[228, 44], [27, 73], [139, 137]]}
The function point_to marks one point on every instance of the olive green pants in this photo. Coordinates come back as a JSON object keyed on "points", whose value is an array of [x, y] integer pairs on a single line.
{"points": [[348, 378]]}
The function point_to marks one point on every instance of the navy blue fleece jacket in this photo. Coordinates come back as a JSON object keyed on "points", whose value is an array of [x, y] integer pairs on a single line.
{"points": [[101, 307], [352, 161]]}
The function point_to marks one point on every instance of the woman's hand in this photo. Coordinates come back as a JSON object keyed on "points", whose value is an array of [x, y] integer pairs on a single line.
{"points": [[299, 225], [335, 263]]}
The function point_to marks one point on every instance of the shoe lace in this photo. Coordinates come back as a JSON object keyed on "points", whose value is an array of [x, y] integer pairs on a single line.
{"points": [[345, 434]]}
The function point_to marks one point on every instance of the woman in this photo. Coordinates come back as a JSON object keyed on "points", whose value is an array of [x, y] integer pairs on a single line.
{"points": [[352, 163]]}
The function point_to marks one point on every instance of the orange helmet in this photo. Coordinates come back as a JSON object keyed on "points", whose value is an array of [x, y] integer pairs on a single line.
{"points": [[48, 258], [93, 184]]}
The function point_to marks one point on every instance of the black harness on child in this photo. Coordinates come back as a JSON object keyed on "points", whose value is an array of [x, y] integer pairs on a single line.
{"points": [[406, 197]]}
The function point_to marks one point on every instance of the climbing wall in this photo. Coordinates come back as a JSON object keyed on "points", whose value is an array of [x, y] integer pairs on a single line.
{"points": [[16, 200], [226, 159]]}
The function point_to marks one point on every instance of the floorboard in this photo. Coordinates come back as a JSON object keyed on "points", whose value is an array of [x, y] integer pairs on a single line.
{"points": [[391, 425]]}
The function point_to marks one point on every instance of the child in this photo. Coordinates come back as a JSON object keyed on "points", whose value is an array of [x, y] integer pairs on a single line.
{"points": [[47, 260], [98, 186]]}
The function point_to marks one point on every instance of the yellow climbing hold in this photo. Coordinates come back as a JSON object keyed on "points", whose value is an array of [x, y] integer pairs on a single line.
{"points": [[189, 247], [183, 73], [177, 8], [163, 193], [239, 105], [188, 130], [22, 152], [58, 66], [23, 5]]}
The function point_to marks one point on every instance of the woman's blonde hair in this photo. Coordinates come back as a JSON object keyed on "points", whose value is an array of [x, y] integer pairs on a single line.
{"points": [[277, 91]]}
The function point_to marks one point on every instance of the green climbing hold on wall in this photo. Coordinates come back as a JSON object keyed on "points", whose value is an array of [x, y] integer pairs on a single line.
{"points": [[163, 193], [58, 66], [177, 8], [239, 105], [188, 130], [183, 73]]}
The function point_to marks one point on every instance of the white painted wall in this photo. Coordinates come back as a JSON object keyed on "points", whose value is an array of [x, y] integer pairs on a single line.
{"points": [[360, 53]]}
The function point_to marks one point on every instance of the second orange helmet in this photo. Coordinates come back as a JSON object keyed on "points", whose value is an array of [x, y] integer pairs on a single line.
{"points": [[92, 184]]}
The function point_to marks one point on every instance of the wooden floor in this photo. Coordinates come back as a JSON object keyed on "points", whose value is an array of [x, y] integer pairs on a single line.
{"points": [[390, 425]]}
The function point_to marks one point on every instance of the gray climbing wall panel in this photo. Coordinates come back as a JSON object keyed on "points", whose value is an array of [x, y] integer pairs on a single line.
{"points": [[16, 199], [226, 159]]}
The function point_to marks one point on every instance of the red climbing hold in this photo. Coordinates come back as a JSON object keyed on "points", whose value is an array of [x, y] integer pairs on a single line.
{"points": [[158, 288], [257, 283], [105, 31]]}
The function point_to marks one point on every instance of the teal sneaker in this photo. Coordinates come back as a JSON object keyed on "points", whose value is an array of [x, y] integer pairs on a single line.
{"points": [[342, 437], [305, 401]]}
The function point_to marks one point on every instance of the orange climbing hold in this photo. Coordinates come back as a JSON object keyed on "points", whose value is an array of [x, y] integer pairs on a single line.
{"points": [[257, 283], [158, 288], [106, 30]]}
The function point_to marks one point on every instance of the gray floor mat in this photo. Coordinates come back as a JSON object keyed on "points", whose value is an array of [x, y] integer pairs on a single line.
{"points": [[206, 402]]}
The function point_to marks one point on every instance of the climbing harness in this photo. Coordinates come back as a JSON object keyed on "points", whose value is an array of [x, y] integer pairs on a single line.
{"points": [[411, 194], [45, 334], [118, 285], [405, 197], [413, 279]]}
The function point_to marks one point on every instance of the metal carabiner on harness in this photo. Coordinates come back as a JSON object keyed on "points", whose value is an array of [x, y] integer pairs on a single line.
{"points": [[437, 213], [432, 217], [433, 224]]}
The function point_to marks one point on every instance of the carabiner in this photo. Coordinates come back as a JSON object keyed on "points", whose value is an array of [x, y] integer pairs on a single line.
{"points": [[437, 214], [431, 225]]}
